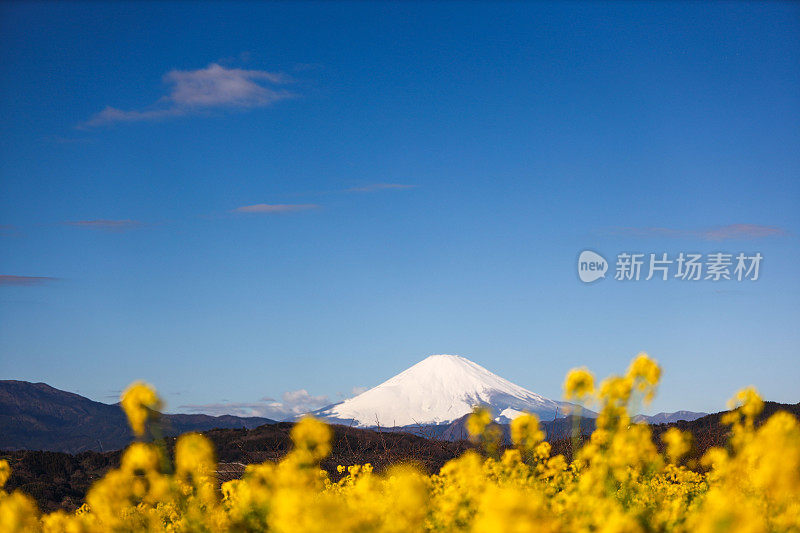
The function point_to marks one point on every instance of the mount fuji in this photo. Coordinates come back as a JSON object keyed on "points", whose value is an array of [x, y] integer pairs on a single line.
{"points": [[439, 390]]}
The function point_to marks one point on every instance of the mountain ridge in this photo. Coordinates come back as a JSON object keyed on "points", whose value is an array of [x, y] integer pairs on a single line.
{"points": [[667, 418], [38, 416]]}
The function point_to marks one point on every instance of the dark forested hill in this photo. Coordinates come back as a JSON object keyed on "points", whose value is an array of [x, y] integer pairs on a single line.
{"points": [[60, 480]]}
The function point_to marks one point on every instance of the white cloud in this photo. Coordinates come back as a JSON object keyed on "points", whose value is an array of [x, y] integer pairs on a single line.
{"points": [[213, 87], [292, 404], [216, 85], [300, 401]]}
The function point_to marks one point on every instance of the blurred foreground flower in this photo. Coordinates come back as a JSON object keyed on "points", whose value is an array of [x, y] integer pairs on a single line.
{"points": [[140, 403]]}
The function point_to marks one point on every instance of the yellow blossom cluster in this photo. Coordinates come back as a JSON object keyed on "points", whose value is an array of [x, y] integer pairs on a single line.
{"points": [[140, 403], [617, 482]]}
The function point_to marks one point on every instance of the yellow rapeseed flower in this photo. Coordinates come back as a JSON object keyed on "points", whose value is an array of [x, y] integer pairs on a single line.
{"points": [[678, 443], [525, 431], [18, 513], [194, 455], [645, 374], [140, 403], [478, 421], [312, 437], [579, 384], [5, 472]]}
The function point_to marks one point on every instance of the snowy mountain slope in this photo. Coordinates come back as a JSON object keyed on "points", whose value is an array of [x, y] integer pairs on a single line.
{"points": [[438, 390]]}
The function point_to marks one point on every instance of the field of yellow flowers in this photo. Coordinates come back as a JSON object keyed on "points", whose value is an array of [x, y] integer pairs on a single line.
{"points": [[618, 480]]}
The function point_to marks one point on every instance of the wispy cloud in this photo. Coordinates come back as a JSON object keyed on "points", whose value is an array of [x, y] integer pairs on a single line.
{"points": [[106, 225], [113, 394], [59, 139], [23, 281], [211, 88], [292, 404], [718, 233], [274, 208], [373, 187], [109, 115], [742, 231]]}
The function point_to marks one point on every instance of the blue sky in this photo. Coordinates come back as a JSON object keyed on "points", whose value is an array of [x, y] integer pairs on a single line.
{"points": [[238, 202]]}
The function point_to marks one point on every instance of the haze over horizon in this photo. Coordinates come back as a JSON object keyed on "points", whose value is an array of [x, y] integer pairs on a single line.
{"points": [[277, 206]]}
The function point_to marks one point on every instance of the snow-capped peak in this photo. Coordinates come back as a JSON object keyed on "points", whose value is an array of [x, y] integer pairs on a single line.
{"points": [[438, 390]]}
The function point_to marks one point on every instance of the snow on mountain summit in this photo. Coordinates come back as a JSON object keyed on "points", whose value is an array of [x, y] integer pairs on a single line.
{"points": [[438, 390]]}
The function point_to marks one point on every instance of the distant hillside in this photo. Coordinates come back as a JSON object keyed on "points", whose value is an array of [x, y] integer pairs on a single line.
{"points": [[708, 431], [36, 416]]}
